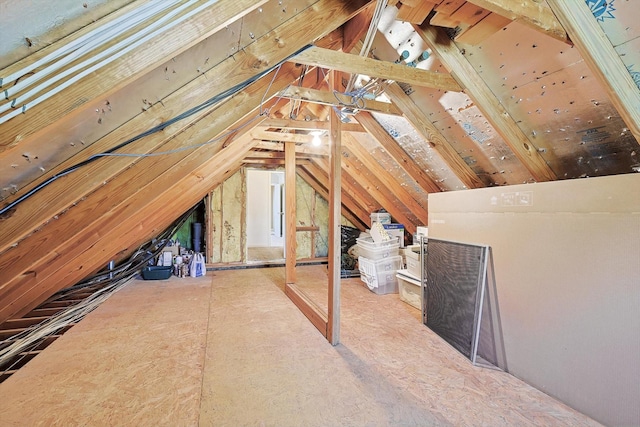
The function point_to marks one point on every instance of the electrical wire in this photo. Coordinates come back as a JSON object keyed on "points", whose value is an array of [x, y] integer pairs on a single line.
{"points": [[117, 53], [208, 103], [109, 280]]}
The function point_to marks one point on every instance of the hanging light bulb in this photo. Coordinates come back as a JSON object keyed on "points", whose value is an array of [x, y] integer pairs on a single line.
{"points": [[316, 141]]}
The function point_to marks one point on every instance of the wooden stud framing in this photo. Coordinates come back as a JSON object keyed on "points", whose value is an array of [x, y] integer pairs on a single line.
{"points": [[290, 211], [386, 176], [335, 188], [375, 68]]}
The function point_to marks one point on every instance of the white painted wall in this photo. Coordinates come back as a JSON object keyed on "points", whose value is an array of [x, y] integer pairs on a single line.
{"points": [[258, 208], [567, 268]]}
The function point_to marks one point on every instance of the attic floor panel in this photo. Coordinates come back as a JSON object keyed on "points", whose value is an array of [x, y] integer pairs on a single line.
{"points": [[231, 349]]}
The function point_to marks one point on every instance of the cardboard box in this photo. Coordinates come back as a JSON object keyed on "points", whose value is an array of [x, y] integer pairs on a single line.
{"points": [[395, 230]]}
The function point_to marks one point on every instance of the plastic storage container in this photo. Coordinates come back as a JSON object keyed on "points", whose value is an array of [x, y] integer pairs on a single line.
{"points": [[157, 272], [413, 261], [409, 290], [381, 217], [380, 275], [367, 248]]}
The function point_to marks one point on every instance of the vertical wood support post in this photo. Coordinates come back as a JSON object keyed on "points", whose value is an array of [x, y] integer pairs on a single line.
{"points": [[333, 315], [290, 211]]}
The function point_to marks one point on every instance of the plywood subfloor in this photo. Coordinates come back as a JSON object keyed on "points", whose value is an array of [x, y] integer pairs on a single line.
{"points": [[265, 253], [230, 349]]}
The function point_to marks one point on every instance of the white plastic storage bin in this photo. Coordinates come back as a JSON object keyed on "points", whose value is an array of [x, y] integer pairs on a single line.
{"points": [[409, 290], [367, 248], [380, 275]]}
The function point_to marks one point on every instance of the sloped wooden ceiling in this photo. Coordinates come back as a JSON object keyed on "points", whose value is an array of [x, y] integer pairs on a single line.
{"points": [[467, 94]]}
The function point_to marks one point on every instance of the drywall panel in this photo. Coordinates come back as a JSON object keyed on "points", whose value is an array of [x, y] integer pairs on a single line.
{"points": [[567, 269]]}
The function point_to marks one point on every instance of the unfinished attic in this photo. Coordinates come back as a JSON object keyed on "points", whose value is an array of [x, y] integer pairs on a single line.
{"points": [[510, 128]]}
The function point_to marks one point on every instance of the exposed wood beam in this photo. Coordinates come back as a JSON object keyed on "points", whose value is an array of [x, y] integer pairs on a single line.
{"points": [[486, 101], [349, 195], [338, 99], [310, 309], [386, 176], [298, 138], [357, 27], [601, 57], [355, 64], [306, 125], [334, 252], [132, 208], [432, 135], [533, 13], [290, 211], [125, 69], [377, 189], [394, 149], [365, 200], [307, 149], [315, 182]]}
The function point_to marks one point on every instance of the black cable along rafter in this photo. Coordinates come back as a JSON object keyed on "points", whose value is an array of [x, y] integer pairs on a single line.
{"points": [[210, 102]]}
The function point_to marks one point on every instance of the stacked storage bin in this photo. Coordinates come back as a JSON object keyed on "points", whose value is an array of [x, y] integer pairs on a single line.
{"points": [[378, 263]]}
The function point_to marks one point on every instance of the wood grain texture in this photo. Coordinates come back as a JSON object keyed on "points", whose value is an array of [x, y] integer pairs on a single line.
{"points": [[349, 63], [395, 150], [231, 349], [533, 13], [492, 109], [432, 136]]}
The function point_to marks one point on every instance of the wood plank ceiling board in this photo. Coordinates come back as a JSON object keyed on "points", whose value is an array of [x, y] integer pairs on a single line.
{"points": [[469, 14], [603, 60], [122, 70], [555, 99], [83, 254], [374, 68], [490, 24], [535, 14], [447, 7], [401, 157], [486, 101], [390, 180], [415, 14], [433, 136], [96, 118]]}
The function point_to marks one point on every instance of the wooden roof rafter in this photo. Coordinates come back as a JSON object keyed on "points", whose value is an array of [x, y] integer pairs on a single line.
{"points": [[493, 110]]}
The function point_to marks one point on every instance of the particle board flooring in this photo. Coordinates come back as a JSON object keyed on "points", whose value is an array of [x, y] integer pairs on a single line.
{"points": [[230, 349]]}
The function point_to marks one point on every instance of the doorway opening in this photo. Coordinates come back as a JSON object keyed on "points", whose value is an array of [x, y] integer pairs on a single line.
{"points": [[265, 216]]}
